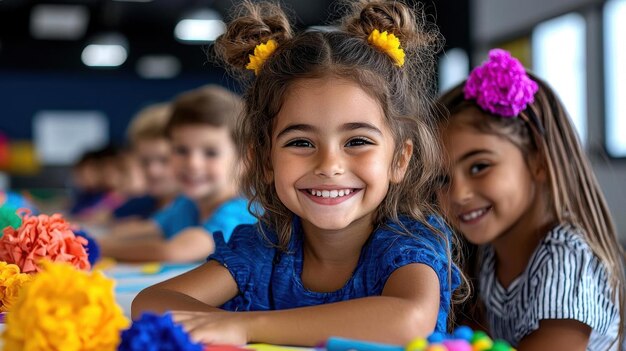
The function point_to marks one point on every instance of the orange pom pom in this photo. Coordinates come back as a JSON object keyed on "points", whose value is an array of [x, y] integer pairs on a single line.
{"points": [[40, 237]]}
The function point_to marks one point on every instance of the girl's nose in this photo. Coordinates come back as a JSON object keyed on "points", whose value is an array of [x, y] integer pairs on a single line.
{"points": [[460, 191], [195, 160], [330, 162]]}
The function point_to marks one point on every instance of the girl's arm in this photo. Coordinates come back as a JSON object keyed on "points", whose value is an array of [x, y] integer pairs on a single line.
{"points": [[408, 308], [200, 289], [557, 335], [135, 228], [193, 244]]}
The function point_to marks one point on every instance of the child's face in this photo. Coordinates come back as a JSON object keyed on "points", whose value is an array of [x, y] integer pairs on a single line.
{"points": [[154, 156], [111, 174], [204, 160], [87, 177], [133, 182], [491, 186], [331, 153]]}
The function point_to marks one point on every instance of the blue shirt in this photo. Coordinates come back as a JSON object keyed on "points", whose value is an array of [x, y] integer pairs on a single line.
{"points": [[85, 200], [269, 279], [183, 213], [140, 206]]}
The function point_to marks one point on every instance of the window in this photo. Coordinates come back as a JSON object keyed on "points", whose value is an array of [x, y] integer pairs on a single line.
{"points": [[453, 68], [558, 53], [615, 76]]}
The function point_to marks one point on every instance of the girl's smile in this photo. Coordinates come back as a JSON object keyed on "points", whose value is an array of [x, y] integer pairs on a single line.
{"points": [[474, 216], [331, 195]]}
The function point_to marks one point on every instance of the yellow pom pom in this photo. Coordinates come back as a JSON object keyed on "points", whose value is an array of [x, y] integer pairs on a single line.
{"points": [[11, 284], [389, 44], [482, 344], [63, 308], [261, 53], [437, 347], [418, 344]]}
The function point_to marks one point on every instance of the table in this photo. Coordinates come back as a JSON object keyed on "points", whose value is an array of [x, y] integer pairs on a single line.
{"points": [[130, 279]]}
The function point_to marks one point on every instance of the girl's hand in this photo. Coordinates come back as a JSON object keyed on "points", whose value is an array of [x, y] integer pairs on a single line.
{"points": [[225, 328]]}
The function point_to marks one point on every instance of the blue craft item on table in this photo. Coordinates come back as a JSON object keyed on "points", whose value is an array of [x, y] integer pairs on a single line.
{"points": [[93, 250], [462, 339], [464, 332], [154, 332], [342, 344]]}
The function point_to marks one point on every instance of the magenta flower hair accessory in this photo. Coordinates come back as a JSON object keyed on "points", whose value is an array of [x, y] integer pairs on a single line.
{"points": [[501, 85]]}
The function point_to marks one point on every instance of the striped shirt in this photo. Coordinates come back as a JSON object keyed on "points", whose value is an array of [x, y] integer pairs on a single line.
{"points": [[563, 280]]}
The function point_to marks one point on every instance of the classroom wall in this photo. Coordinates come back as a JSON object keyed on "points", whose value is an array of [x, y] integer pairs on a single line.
{"points": [[119, 95], [493, 21]]}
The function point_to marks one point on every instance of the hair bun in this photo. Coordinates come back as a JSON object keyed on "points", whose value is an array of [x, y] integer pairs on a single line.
{"points": [[391, 16], [253, 24]]}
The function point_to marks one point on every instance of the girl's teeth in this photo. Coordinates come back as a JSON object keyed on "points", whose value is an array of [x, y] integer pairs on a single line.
{"points": [[473, 215], [330, 193]]}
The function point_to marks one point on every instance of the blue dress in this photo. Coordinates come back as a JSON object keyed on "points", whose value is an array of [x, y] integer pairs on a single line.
{"points": [[269, 279], [183, 213]]}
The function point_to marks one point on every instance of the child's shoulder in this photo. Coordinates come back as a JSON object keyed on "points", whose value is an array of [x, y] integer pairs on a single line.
{"points": [[565, 239], [413, 241], [253, 239], [565, 235], [564, 249], [410, 230]]}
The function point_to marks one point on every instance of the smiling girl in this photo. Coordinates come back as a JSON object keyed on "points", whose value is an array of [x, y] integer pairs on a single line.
{"points": [[342, 159]]}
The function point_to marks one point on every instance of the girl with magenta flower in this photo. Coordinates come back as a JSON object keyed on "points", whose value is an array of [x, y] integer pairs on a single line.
{"points": [[550, 269], [342, 157]]}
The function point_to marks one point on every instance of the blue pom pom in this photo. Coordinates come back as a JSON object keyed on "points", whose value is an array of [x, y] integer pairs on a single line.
{"points": [[156, 333], [464, 332], [93, 250], [436, 337]]}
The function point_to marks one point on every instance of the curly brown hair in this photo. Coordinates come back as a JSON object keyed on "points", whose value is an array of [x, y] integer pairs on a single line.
{"points": [[406, 95]]}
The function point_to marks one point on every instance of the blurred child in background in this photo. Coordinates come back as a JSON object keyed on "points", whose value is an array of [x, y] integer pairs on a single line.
{"points": [[206, 166], [97, 177], [152, 150]]}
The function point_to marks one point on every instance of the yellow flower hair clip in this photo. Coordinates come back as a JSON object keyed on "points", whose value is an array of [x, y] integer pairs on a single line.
{"points": [[261, 53], [389, 44]]}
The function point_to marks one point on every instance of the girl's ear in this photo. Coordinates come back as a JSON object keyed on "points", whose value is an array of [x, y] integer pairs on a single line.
{"points": [[538, 168], [398, 171]]}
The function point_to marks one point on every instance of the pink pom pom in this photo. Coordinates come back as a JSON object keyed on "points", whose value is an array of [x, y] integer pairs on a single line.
{"points": [[501, 85], [457, 345]]}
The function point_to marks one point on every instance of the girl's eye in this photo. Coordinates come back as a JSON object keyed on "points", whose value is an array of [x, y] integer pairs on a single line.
{"points": [[299, 143], [478, 168], [180, 151], [211, 153], [358, 142]]}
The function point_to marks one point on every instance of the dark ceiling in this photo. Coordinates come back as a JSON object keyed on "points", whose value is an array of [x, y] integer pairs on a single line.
{"points": [[149, 28]]}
